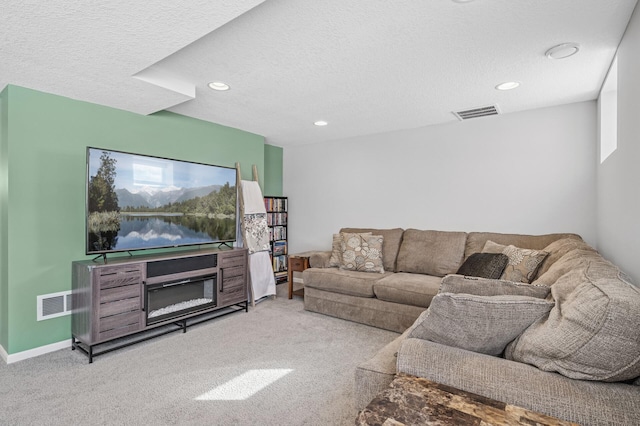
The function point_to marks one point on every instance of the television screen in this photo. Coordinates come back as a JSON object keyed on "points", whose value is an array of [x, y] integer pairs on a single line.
{"points": [[136, 202]]}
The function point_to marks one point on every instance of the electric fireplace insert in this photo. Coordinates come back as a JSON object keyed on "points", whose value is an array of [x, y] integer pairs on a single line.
{"points": [[165, 301]]}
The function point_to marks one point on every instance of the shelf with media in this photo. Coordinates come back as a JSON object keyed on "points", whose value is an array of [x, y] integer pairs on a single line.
{"points": [[277, 219]]}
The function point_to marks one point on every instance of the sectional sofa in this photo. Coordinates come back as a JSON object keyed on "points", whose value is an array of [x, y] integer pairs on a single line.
{"points": [[558, 333]]}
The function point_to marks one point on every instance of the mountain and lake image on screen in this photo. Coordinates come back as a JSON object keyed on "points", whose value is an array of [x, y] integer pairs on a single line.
{"points": [[140, 202]]}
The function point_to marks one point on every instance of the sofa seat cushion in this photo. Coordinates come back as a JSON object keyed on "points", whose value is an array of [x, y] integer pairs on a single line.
{"points": [[593, 332], [489, 287], [353, 283], [407, 289], [390, 245], [431, 252]]}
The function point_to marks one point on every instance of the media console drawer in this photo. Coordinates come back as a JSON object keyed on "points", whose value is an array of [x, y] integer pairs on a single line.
{"points": [[116, 276]]}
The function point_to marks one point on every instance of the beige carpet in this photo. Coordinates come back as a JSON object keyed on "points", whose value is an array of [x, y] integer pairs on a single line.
{"points": [[275, 365]]}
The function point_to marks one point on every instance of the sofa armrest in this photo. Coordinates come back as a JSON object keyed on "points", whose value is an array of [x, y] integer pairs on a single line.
{"points": [[319, 259], [581, 401]]}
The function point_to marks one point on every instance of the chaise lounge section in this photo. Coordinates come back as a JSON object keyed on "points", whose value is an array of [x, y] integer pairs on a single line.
{"points": [[578, 361]]}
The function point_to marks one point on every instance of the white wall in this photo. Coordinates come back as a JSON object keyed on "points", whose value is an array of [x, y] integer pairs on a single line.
{"points": [[531, 172], [618, 220]]}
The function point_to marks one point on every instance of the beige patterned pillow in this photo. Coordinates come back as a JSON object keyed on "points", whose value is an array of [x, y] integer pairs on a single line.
{"points": [[336, 250], [523, 263], [361, 252]]}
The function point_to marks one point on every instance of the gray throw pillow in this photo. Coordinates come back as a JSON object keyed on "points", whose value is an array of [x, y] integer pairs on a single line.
{"points": [[484, 265], [479, 323], [489, 287]]}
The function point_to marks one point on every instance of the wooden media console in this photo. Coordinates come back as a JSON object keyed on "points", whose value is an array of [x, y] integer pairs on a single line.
{"points": [[128, 296]]}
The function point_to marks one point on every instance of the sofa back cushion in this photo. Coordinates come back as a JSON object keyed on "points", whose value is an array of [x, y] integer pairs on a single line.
{"points": [[559, 248], [593, 332], [477, 240], [435, 253], [575, 259], [390, 245]]}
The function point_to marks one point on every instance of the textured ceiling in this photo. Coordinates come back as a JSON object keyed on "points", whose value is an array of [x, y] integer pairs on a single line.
{"points": [[364, 66]]}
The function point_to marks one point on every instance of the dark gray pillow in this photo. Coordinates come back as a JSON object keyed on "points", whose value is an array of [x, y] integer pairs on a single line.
{"points": [[484, 265]]}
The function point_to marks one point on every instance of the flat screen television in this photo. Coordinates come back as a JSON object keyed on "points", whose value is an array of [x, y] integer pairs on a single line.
{"points": [[136, 202]]}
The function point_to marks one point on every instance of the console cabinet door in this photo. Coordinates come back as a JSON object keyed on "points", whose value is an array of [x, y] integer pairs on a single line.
{"points": [[232, 278], [118, 305]]}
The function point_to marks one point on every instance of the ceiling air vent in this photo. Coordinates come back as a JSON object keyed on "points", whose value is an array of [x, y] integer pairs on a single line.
{"points": [[477, 112]]}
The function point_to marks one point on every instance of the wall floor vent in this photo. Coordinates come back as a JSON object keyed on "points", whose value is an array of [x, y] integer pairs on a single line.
{"points": [[477, 112], [54, 305]]}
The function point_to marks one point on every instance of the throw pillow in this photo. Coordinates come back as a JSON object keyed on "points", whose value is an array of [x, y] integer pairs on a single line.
{"points": [[484, 265], [479, 323], [362, 252], [336, 250], [489, 287], [523, 263]]}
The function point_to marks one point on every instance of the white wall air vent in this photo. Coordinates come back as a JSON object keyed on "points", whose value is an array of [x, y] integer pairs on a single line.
{"points": [[54, 305], [477, 112]]}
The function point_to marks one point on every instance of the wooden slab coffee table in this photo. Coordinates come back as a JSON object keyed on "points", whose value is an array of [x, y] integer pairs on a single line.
{"points": [[413, 400]]}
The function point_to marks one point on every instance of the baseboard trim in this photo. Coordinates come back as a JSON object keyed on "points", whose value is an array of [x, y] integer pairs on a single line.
{"points": [[20, 356]]}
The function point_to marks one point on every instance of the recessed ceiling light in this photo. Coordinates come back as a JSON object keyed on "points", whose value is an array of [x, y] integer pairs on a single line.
{"points": [[562, 51], [218, 85], [320, 123], [507, 85]]}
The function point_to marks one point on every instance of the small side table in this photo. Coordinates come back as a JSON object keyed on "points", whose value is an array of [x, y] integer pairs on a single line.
{"points": [[297, 263]]}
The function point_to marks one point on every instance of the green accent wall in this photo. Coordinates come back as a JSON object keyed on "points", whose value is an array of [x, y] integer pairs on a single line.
{"points": [[272, 170], [4, 225], [42, 149]]}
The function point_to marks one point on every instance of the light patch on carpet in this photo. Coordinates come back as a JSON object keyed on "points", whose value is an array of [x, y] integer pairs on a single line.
{"points": [[245, 385]]}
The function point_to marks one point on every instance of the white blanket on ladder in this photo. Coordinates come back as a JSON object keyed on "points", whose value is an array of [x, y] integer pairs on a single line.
{"points": [[261, 276]]}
